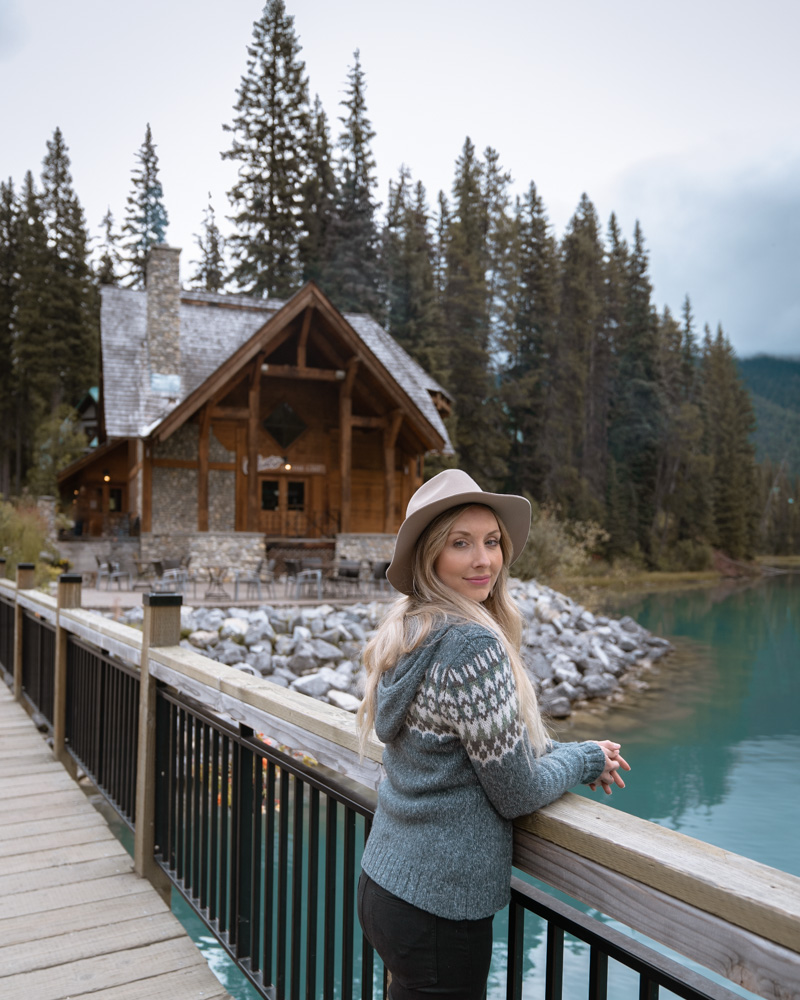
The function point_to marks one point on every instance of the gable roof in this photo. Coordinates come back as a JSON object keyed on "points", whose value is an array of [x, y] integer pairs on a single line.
{"points": [[213, 327]]}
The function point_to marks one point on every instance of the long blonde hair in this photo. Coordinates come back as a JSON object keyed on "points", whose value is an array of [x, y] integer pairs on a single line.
{"points": [[410, 620]]}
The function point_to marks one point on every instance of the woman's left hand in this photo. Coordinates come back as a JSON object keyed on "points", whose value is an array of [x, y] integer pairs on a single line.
{"points": [[614, 762]]}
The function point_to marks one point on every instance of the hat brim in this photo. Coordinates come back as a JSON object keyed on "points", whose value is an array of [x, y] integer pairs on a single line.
{"points": [[513, 511]]}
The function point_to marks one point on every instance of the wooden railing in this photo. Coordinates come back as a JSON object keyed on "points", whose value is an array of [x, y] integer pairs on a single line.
{"points": [[731, 915]]}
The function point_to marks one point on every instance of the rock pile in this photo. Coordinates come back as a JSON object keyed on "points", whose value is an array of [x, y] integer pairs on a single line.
{"points": [[570, 654]]}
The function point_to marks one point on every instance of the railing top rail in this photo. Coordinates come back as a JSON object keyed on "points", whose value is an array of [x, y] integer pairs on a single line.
{"points": [[122, 640], [761, 899]]}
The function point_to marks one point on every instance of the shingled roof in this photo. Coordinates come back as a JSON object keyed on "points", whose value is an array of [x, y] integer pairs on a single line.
{"points": [[212, 328]]}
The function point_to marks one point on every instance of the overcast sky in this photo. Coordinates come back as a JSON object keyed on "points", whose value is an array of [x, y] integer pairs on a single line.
{"points": [[683, 115]]}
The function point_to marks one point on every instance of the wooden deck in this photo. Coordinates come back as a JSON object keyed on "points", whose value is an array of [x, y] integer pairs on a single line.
{"points": [[75, 920]]}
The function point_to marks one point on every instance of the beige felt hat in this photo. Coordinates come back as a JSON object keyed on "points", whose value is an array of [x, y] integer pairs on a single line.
{"points": [[450, 489]]}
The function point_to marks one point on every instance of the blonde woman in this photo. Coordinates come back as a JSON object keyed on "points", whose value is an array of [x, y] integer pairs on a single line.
{"points": [[465, 747]]}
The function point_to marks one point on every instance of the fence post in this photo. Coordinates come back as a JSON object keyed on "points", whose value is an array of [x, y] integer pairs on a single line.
{"points": [[26, 573], [68, 596], [161, 627]]}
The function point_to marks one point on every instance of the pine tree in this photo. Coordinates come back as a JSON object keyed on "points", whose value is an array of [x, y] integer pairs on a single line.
{"points": [[354, 249], [636, 417], [729, 422], [577, 390], [412, 314], [269, 131], [210, 271], [109, 263], [145, 216], [530, 341], [36, 382], [479, 431], [74, 322], [319, 198], [8, 269]]}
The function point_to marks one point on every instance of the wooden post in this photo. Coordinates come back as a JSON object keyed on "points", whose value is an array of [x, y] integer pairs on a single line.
{"points": [[26, 573], [346, 443], [68, 596], [389, 441], [202, 469], [147, 486], [161, 627], [254, 410]]}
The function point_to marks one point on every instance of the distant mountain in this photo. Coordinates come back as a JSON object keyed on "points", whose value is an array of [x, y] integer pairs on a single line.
{"points": [[774, 384]]}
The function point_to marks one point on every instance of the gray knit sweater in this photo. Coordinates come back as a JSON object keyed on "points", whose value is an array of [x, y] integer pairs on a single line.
{"points": [[459, 768]]}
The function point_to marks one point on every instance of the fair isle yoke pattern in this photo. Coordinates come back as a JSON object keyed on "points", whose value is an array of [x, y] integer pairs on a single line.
{"points": [[473, 699]]}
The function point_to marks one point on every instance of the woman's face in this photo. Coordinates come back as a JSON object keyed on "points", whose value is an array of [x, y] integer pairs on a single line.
{"points": [[472, 557]]}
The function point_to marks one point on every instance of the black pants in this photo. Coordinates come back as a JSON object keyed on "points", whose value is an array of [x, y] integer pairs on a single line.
{"points": [[427, 956]]}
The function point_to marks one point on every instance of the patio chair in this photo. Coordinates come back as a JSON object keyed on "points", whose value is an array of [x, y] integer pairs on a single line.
{"points": [[250, 578], [378, 577], [103, 571], [117, 575], [143, 575], [168, 579]]}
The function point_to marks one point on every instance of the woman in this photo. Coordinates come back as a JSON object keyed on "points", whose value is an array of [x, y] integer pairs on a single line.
{"points": [[465, 747]]}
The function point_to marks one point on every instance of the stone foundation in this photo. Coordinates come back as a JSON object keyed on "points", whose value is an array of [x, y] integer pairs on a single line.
{"points": [[370, 547], [234, 549]]}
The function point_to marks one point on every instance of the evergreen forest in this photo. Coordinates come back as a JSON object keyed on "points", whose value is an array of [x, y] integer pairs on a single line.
{"points": [[632, 426]]}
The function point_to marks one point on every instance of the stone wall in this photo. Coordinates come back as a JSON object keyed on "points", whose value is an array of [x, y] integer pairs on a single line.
{"points": [[234, 549], [221, 500], [183, 444], [373, 547], [174, 498]]}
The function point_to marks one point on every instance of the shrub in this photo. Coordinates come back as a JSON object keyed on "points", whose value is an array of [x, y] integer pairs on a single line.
{"points": [[23, 538], [557, 548]]}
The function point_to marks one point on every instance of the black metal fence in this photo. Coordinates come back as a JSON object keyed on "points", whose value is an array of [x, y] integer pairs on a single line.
{"points": [[265, 847], [38, 663], [102, 722], [653, 970], [7, 614]]}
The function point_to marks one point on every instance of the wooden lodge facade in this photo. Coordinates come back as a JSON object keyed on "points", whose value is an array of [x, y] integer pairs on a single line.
{"points": [[225, 414]]}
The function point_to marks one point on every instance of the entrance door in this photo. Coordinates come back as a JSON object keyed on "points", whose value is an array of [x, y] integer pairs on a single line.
{"points": [[284, 506]]}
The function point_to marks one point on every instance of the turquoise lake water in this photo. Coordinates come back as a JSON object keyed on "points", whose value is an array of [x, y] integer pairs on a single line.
{"points": [[713, 740]]}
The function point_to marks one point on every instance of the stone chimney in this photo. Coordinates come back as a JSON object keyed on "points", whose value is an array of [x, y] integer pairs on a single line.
{"points": [[163, 318]]}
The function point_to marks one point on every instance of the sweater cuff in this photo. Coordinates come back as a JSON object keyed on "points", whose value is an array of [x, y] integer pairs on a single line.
{"points": [[595, 762]]}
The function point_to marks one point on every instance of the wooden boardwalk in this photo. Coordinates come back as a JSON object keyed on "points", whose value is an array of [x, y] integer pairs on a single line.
{"points": [[75, 920]]}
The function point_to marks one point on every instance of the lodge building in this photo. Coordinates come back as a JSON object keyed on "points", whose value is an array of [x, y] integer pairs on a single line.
{"points": [[227, 422]]}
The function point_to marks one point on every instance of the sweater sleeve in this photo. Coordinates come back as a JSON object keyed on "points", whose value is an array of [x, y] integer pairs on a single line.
{"points": [[479, 698]]}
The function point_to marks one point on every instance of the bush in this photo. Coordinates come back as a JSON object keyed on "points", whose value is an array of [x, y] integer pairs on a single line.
{"points": [[687, 555], [557, 548], [23, 538]]}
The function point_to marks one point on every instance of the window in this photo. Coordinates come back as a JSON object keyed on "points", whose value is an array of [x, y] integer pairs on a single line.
{"points": [[296, 496], [269, 494], [284, 425], [114, 499]]}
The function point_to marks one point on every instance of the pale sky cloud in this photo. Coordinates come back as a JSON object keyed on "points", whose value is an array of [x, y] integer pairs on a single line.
{"points": [[684, 117]]}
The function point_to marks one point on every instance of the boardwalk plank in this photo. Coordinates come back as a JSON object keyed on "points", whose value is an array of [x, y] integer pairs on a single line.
{"points": [[57, 780], [59, 897], [60, 857], [90, 974], [51, 839], [188, 984], [81, 871], [35, 828], [80, 917], [58, 804], [73, 946]]}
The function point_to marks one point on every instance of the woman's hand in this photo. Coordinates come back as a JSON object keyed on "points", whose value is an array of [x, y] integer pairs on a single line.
{"points": [[614, 762]]}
